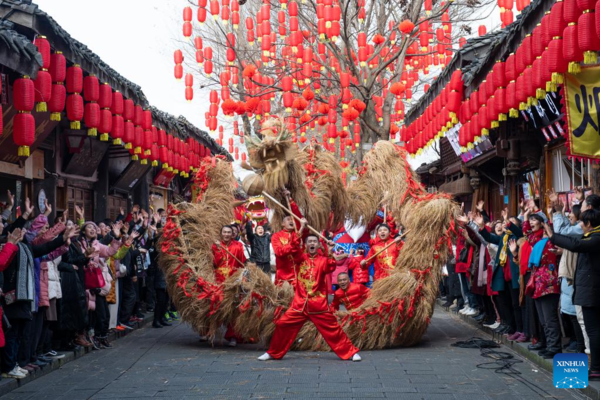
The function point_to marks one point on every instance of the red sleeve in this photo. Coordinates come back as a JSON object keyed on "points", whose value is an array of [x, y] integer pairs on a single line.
{"points": [[296, 212], [353, 263], [216, 255], [364, 292], [240, 250], [372, 252], [6, 255], [281, 249], [330, 265], [335, 304]]}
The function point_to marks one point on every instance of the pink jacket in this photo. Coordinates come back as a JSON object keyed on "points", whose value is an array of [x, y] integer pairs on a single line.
{"points": [[100, 260], [340, 266], [44, 299]]}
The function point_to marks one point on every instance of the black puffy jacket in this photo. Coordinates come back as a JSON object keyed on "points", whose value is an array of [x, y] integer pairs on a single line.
{"points": [[260, 246], [587, 274]]}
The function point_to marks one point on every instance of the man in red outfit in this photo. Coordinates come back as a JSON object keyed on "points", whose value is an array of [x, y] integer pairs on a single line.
{"points": [[351, 295], [228, 253], [310, 303], [385, 261], [287, 247], [360, 274]]}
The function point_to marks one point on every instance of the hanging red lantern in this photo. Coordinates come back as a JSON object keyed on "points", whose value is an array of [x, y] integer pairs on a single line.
{"points": [[105, 102], [23, 122], [74, 100], [589, 42], [91, 94], [58, 72], [43, 82]]}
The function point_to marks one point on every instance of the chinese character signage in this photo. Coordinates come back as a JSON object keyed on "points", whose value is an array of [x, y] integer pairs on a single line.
{"points": [[582, 101]]}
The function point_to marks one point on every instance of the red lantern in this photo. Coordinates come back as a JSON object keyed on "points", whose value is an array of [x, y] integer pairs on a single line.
{"points": [[24, 132], [56, 105], [92, 118], [74, 100]]}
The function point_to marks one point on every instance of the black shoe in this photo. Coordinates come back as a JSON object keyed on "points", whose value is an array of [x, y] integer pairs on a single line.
{"points": [[165, 323], [500, 328], [594, 376], [156, 325], [543, 352], [480, 317], [105, 343], [537, 346], [446, 304], [45, 359], [549, 355], [95, 344]]}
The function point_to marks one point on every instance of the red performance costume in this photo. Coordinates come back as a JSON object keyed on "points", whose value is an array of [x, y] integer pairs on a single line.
{"points": [[385, 262], [286, 246], [225, 265], [359, 274], [351, 298], [310, 303]]}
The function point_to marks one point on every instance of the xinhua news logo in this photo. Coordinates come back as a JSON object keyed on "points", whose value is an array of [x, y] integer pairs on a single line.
{"points": [[570, 371]]}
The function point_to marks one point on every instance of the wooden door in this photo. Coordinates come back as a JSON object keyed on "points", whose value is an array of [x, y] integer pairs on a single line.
{"points": [[82, 198], [115, 203]]}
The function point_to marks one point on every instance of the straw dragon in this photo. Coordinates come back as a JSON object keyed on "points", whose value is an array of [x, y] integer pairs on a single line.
{"points": [[400, 306]]}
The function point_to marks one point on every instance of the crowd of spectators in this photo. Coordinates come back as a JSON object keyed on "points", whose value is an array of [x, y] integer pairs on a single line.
{"points": [[532, 277], [66, 284]]}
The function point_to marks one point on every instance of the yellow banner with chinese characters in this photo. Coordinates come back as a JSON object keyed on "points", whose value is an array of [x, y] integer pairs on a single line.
{"points": [[582, 101]]}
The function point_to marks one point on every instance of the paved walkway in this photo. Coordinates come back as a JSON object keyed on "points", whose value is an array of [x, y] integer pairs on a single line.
{"points": [[170, 363]]}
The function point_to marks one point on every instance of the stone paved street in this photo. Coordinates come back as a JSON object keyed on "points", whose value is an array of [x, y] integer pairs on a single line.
{"points": [[170, 363]]}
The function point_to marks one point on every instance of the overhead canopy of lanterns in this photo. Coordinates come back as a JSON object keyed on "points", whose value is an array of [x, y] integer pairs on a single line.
{"points": [[289, 58], [104, 112], [566, 37]]}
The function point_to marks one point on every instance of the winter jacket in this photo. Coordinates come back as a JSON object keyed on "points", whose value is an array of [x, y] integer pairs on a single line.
{"points": [[54, 289], [260, 245], [562, 225], [341, 266], [73, 314], [22, 309], [99, 261], [497, 272], [587, 273]]}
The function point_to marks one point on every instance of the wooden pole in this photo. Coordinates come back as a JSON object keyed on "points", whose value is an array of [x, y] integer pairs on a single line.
{"points": [[287, 200], [313, 230], [234, 257], [386, 247]]}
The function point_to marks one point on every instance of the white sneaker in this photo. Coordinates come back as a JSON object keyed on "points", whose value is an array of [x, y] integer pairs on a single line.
{"points": [[23, 371], [265, 357], [494, 325], [471, 312], [232, 343], [356, 357], [463, 310], [15, 373]]}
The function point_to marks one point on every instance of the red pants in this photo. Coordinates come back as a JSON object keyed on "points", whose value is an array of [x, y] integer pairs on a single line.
{"points": [[288, 326]]}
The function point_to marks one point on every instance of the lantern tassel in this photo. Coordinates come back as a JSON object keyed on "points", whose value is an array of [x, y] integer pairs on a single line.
{"points": [[138, 150], [117, 141], [165, 166], [104, 137], [55, 116], [558, 78], [76, 125], [23, 151], [93, 132], [502, 117], [513, 113], [495, 124], [522, 106], [134, 157], [540, 93], [155, 163], [128, 146], [144, 161], [590, 57], [170, 169], [41, 107], [574, 68], [485, 132]]}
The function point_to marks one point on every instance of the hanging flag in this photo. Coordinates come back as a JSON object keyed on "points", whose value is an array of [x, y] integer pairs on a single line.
{"points": [[582, 100]]}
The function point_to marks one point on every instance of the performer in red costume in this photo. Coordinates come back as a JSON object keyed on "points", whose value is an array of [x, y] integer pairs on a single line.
{"points": [[351, 295], [360, 274], [225, 265], [386, 260], [310, 303], [224, 262], [287, 247]]}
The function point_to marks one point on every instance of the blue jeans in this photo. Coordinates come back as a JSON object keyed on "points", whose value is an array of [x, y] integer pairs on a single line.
{"points": [[466, 290]]}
